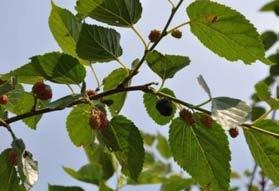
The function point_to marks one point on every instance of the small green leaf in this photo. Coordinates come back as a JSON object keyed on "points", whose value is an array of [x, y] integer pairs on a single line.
{"points": [[270, 6], [148, 139], [203, 152], [229, 112], [226, 32], [177, 183], [163, 146], [21, 102], [166, 66], [122, 13], [64, 101], [150, 101], [265, 148], [131, 156], [111, 82], [269, 38], [63, 188], [204, 85], [264, 94], [104, 187], [98, 44], [9, 180], [65, 28], [55, 67], [78, 125], [90, 173]]}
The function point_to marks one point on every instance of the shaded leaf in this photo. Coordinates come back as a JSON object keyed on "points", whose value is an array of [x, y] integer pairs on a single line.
{"points": [[231, 35], [270, 6], [111, 82], [64, 188], [150, 101], [269, 38], [122, 13], [64, 101], [78, 125], [9, 180], [204, 85], [263, 93], [131, 156], [98, 44], [265, 148], [166, 66], [229, 112], [203, 152]]}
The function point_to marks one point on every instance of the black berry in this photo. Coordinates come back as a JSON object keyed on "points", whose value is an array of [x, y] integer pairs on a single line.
{"points": [[164, 106], [233, 132]]}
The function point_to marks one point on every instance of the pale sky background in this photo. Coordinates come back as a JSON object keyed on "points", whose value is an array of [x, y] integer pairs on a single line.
{"points": [[24, 33]]}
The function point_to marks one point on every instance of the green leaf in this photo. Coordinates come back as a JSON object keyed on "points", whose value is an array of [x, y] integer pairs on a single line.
{"points": [[90, 173], [163, 146], [21, 102], [122, 13], [150, 101], [265, 148], [111, 82], [104, 187], [176, 183], [203, 152], [148, 139], [270, 6], [63, 188], [166, 66], [269, 38], [264, 94], [97, 154], [98, 44], [226, 32], [78, 125], [65, 28], [131, 156], [55, 67], [229, 112], [9, 180], [257, 112]]}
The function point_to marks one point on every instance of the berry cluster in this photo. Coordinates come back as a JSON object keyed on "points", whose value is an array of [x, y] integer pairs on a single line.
{"points": [[98, 119], [187, 117], [42, 91]]}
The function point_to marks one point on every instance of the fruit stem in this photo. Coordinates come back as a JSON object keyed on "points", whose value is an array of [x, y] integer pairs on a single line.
{"points": [[121, 63], [95, 76], [177, 27], [8, 127], [140, 37], [162, 85]]}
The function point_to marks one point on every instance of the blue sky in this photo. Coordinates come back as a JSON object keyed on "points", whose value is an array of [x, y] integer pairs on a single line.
{"points": [[25, 33]]}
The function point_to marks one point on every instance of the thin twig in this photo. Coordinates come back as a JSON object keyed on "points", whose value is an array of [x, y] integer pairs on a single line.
{"points": [[140, 37], [250, 186], [179, 26], [95, 76]]}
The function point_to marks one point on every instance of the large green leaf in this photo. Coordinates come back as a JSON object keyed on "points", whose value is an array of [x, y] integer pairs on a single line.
{"points": [[98, 44], [111, 82], [9, 180], [78, 125], [21, 102], [265, 148], [63, 188], [129, 140], [264, 94], [226, 32], [166, 66], [65, 28], [55, 67], [123, 13], [229, 112], [150, 101], [203, 152], [90, 173]]}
